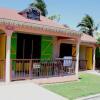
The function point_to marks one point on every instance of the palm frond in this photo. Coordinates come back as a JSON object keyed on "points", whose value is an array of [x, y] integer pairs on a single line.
{"points": [[87, 25]]}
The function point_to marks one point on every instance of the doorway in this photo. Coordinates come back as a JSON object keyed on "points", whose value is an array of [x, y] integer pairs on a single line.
{"points": [[65, 50], [28, 46], [89, 57]]}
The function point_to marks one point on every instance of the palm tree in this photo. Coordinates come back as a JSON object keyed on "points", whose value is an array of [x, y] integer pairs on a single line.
{"points": [[40, 4], [87, 25]]}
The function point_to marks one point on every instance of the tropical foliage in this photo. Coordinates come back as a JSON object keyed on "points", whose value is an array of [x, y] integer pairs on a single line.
{"points": [[97, 35], [99, 40], [41, 5], [55, 17], [87, 25]]}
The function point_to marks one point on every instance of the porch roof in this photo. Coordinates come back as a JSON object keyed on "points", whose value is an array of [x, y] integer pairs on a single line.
{"points": [[88, 39], [11, 17]]}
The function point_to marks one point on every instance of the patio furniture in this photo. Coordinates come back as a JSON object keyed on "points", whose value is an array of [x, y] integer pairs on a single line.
{"points": [[68, 64], [71, 68]]}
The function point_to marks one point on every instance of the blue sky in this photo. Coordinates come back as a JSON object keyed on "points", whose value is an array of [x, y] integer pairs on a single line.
{"points": [[71, 11]]}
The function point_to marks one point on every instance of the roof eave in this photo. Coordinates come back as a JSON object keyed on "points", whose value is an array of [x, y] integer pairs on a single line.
{"points": [[40, 26]]}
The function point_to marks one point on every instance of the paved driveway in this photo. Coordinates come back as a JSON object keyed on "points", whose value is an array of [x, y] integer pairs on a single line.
{"points": [[91, 97], [94, 98], [26, 91]]}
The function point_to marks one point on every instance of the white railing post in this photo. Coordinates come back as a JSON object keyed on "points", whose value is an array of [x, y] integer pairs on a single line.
{"points": [[77, 58], [8, 51]]}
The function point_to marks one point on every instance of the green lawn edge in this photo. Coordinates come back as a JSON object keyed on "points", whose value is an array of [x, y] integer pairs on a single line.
{"points": [[87, 85]]}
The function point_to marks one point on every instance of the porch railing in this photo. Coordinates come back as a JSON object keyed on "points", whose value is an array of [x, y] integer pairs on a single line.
{"points": [[82, 64], [40, 68], [2, 70]]}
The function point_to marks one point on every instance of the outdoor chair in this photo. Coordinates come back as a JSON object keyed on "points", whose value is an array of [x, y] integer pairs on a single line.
{"points": [[71, 68], [68, 65]]}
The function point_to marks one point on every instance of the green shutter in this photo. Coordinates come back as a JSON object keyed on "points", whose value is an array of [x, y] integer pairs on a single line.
{"points": [[46, 47], [98, 52], [13, 49], [13, 45]]}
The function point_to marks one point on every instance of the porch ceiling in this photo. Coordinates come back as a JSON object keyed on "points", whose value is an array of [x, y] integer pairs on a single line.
{"points": [[12, 18]]}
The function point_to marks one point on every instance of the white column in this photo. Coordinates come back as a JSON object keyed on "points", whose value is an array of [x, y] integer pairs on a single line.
{"points": [[8, 46], [77, 58], [94, 49], [55, 47]]}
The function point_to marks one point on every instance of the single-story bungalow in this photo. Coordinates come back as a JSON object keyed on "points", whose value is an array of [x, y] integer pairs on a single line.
{"points": [[35, 47]]}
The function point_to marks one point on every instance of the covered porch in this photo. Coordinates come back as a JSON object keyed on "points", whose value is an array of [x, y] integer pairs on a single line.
{"points": [[67, 47], [46, 60], [32, 57], [42, 56], [26, 63]]}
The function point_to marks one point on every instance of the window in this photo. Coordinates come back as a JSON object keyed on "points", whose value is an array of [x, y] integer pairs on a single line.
{"points": [[33, 14]]}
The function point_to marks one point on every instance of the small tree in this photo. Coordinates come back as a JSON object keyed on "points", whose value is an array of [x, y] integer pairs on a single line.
{"points": [[55, 17], [98, 40]]}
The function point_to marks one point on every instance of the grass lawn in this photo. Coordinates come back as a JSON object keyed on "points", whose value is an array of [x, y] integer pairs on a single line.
{"points": [[87, 85]]}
